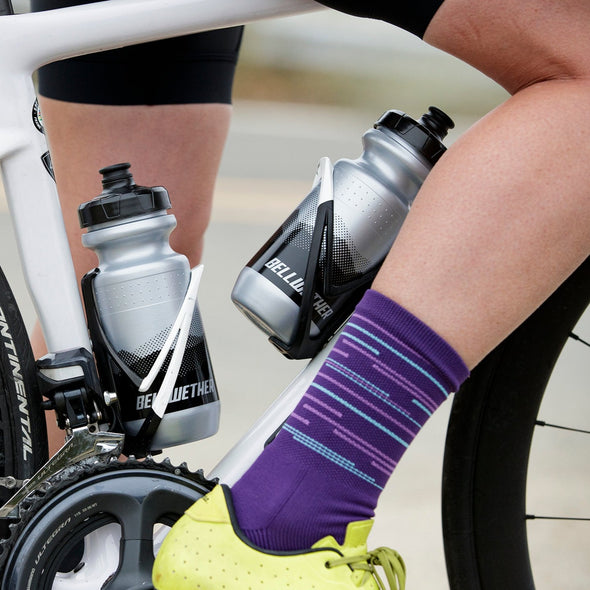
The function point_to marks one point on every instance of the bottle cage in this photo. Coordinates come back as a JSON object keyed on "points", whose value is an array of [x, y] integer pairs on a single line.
{"points": [[107, 358], [303, 345]]}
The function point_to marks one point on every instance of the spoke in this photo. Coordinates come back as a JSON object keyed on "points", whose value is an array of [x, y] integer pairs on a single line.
{"points": [[560, 427], [578, 339], [574, 518]]}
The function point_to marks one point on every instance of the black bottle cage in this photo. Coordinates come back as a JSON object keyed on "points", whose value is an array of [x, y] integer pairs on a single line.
{"points": [[303, 345], [138, 445]]}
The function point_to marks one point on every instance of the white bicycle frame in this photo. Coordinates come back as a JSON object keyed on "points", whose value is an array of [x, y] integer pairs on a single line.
{"points": [[28, 41]]}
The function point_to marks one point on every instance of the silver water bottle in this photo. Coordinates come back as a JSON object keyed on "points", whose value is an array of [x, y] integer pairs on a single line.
{"points": [[305, 281], [143, 317]]}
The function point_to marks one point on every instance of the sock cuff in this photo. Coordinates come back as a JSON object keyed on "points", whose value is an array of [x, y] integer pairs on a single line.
{"points": [[415, 334]]}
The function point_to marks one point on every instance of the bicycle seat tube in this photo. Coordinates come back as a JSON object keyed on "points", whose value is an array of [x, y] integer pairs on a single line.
{"points": [[25, 46]]}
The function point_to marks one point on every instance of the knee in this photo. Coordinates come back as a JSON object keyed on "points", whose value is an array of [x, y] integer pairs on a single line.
{"points": [[516, 43], [189, 238]]}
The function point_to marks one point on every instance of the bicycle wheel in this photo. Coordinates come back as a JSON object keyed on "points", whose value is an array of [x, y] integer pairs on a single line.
{"points": [[23, 435], [489, 436]]}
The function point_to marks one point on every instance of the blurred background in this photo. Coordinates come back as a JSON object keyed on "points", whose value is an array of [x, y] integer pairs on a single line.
{"points": [[307, 87], [332, 58], [334, 74]]}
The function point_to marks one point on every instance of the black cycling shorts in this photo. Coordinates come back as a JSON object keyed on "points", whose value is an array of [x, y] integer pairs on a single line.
{"points": [[196, 68], [412, 15]]}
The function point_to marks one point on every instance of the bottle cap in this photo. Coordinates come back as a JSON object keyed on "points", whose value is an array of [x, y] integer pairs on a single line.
{"points": [[424, 135], [121, 198]]}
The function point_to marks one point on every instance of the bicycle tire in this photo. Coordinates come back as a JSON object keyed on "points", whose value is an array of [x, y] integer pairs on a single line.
{"points": [[23, 433], [488, 443]]}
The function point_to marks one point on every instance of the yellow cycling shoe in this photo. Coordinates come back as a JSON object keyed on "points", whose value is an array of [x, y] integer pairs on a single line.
{"points": [[206, 550]]}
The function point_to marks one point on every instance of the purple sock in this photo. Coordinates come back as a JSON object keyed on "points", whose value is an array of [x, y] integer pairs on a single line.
{"points": [[386, 375]]}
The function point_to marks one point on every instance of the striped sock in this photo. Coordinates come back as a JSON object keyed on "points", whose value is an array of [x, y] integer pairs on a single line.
{"points": [[386, 375]]}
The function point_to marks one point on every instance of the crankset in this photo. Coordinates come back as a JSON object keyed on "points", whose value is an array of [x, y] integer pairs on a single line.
{"points": [[97, 526]]}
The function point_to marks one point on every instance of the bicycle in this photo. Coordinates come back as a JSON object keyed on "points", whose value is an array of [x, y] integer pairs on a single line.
{"points": [[61, 505]]}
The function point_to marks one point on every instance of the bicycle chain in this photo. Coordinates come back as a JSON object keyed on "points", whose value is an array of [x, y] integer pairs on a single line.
{"points": [[75, 474]]}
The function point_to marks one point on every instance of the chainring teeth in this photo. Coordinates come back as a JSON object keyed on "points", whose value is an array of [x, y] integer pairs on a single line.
{"points": [[77, 473]]}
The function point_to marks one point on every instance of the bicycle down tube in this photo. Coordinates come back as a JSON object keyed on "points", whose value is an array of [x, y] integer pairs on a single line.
{"points": [[28, 41], [30, 189]]}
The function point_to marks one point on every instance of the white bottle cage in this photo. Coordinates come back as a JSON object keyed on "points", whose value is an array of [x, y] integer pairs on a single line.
{"points": [[180, 329], [178, 333]]}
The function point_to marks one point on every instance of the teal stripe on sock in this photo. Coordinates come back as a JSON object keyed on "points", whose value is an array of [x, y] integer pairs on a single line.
{"points": [[400, 355], [361, 414], [361, 342], [329, 454], [422, 407], [371, 388]]}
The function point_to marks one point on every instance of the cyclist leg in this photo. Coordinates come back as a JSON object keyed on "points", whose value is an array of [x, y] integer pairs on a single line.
{"points": [[164, 107], [177, 146], [507, 210], [501, 220]]}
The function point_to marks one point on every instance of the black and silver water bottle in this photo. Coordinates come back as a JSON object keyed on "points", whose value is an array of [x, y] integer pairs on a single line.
{"points": [[143, 316], [306, 280]]}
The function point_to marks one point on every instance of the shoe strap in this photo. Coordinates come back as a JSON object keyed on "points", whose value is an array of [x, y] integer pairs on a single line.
{"points": [[390, 561]]}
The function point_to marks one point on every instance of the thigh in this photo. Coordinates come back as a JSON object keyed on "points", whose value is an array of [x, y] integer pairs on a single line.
{"points": [[516, 43], [191, 69], [412, 15]]}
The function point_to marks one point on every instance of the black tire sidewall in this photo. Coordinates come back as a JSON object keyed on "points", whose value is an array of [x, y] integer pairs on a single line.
{"points": [[22, 421], [488, 445]]}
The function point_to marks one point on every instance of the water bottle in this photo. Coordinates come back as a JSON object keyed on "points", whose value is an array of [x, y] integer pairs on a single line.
{"points": [[143, 317], [307, 278]]}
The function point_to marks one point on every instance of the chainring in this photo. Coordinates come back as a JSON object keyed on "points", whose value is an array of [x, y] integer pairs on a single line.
{"points": [[97, 526]]}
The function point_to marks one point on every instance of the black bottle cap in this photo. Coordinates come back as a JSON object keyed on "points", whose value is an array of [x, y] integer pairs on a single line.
{"points": [[424, 135], [116, 175], [121, 198]]}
